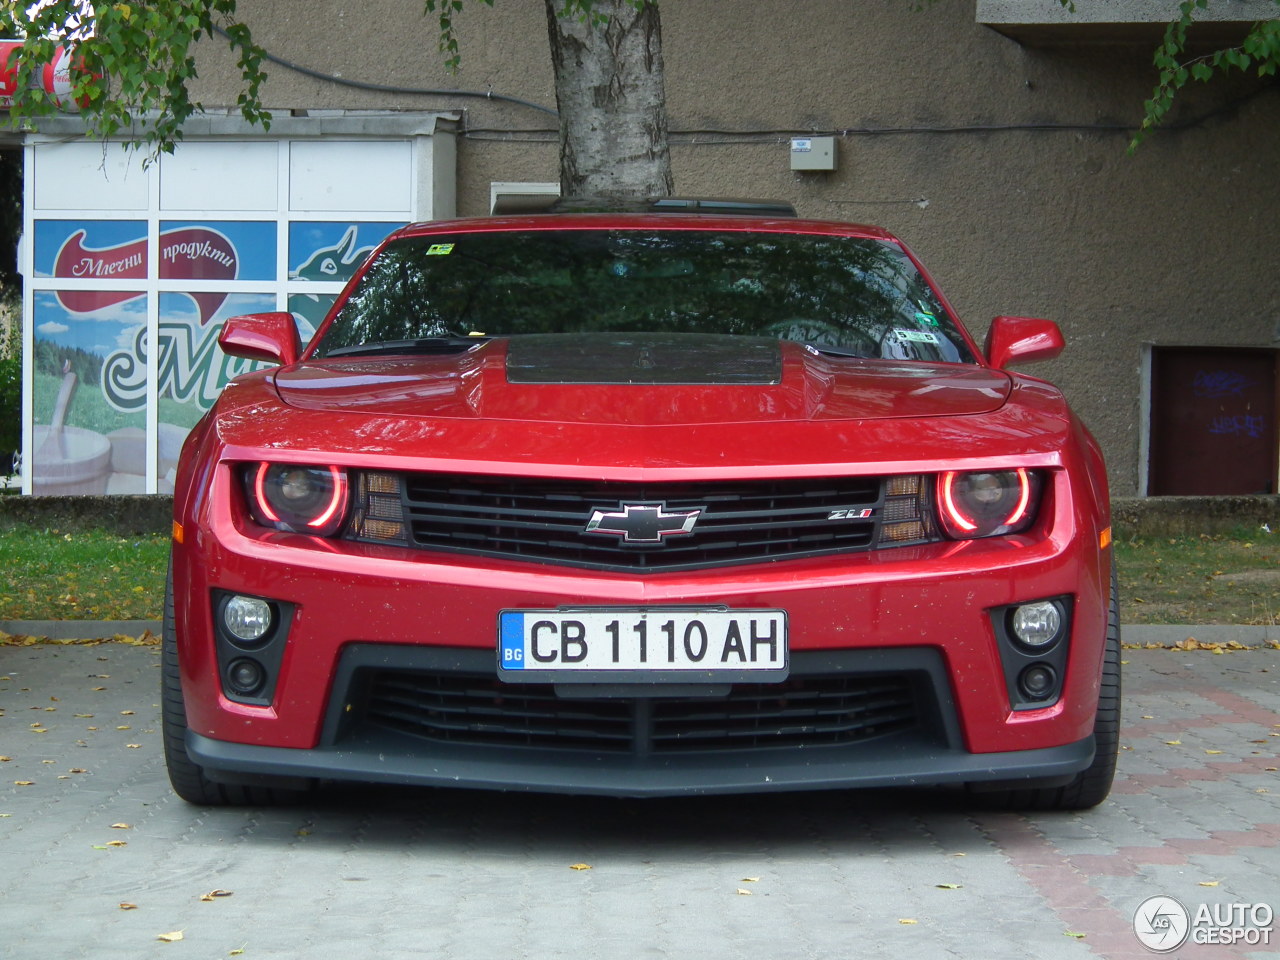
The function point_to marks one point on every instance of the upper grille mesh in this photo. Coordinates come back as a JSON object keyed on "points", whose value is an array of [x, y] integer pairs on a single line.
{"points": [[545, 520], [582, 523]]}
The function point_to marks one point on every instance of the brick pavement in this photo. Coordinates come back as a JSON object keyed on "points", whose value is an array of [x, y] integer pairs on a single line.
{"points": [[389, 873]]}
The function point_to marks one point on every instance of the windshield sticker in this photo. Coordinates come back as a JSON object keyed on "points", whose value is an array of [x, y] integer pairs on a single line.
{"points": [[439, 249], [927, 318], [916, 336]]}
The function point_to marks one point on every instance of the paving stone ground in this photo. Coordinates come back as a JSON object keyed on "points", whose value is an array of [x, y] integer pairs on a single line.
{"points": [[374, 872]]}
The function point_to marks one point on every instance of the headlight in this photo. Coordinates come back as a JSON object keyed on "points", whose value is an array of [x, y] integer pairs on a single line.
{"points": [[987, 503], [297, 499]]}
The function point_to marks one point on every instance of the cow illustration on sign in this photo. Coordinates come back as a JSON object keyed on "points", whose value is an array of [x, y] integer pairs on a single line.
{"points": [[333, 263]]}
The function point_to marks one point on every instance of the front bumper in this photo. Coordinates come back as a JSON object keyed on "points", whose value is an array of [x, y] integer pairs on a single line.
{"points": [[892, 723]]}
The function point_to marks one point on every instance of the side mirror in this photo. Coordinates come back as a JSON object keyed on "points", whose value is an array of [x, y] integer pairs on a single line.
{"points": [[1023, 339], [272, 337]]}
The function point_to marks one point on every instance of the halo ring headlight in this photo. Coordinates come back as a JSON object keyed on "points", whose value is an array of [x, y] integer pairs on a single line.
{"points": [[986, 503], [298, 498]]}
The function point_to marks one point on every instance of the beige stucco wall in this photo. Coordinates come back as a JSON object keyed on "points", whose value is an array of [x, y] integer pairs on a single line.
{"points": [[1172, 246]]}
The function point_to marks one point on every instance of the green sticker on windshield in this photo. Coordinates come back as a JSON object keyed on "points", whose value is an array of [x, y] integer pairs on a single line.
{"points": [[928, 318], [439, 249]]}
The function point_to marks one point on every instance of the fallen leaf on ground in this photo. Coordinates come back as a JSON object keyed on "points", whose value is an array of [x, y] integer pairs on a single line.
{"points": [[907, 920], [170, 937], [24, 783], [128, 906], [1208, 883], [750, 879], [743, 893], [948, 886], [213, 894], [1069, 933], [117, 843], [1174, 743], [1213, 752], [579, 866], [120, 826]]}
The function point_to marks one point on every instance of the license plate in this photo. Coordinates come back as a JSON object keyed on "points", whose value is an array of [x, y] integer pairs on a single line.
{"points": [[669, 645]]}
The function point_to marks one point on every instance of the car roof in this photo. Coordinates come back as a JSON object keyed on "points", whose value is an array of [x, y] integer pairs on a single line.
{"points": [[768, 216], [554, 203]]}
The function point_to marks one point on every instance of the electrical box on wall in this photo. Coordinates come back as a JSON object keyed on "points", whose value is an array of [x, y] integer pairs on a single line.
{"points": [[813, 153]]}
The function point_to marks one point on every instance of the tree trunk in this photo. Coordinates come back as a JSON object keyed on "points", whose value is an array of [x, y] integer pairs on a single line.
{"points": [[609, 88]]}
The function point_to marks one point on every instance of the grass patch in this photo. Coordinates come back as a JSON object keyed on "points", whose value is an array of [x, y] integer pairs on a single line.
{"points": [[81, 575], [1228, 579]]}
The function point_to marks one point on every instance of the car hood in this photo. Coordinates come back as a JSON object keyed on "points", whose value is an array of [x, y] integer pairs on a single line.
{"points": [[634, 379]]}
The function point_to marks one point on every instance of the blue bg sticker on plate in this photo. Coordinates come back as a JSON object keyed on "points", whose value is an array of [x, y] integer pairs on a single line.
{"points": [[511, 641]]}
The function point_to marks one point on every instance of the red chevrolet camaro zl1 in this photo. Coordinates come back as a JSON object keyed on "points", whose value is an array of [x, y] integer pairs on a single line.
{"points": [[644, 499]]}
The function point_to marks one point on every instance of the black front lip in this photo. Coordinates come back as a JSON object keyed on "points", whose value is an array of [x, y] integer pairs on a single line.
{"points": [[896, 762]]}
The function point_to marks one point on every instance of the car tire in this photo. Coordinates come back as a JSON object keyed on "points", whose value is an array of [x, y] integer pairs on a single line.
{"points": [[1090, 786], [185, 775]]}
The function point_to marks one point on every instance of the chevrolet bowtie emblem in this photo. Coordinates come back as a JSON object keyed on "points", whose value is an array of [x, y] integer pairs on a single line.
{"points": [[643, 522]]}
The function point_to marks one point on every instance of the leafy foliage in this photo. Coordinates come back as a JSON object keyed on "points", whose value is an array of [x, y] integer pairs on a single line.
{"points": [[10, 407], [1259, 51], [132, 61]]}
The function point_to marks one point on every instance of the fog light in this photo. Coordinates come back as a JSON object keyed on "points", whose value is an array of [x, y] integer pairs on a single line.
{"points": [[1038, 681], [245, 676], [1037, 624], [247, 618]]}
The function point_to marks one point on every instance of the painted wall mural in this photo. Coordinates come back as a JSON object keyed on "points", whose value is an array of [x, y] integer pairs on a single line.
{"points": [[93, 370], [91, 345]]}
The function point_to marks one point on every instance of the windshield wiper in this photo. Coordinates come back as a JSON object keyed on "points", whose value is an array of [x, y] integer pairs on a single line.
{"points": [[428, 345], [833, 350]]}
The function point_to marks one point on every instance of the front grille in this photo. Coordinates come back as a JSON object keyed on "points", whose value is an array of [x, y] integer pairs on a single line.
{"points": [[801, 712], [739, 521]]}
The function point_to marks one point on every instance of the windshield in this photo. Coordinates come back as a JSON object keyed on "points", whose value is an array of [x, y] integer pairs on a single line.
{"points": [[844, 295]]}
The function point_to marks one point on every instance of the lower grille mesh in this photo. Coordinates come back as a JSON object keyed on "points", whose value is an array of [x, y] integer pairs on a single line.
{"points": [[803, 711]]}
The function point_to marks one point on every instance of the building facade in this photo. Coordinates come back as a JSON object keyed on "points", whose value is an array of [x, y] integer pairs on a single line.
{"points": [[991, 137]]}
